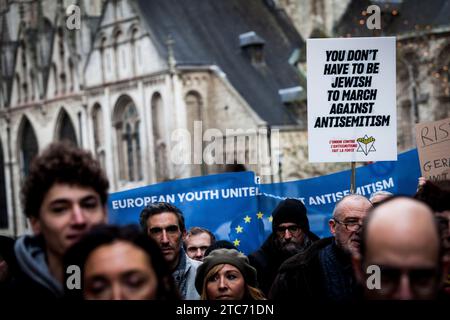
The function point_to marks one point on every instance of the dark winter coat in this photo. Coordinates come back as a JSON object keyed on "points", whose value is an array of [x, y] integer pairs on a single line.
{"points": [[322, 273], [268, 259], [33, 280]]}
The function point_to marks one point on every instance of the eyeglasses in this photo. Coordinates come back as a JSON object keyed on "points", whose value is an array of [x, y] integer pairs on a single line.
{"points": [[294, 230], [421, 280], [157, 231], [351, 226]]}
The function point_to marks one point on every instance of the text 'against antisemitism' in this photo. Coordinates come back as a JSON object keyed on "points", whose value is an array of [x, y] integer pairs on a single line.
{"points": [[351, 94]]}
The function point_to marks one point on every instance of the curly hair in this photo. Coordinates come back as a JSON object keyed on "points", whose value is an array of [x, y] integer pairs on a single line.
{"points": [[61, 162]]}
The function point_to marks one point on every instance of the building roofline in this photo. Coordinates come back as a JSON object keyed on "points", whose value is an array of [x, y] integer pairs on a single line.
{"points": [[418, 34]]}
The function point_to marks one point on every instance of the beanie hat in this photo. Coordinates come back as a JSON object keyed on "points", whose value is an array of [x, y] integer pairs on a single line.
{"points": [[225, 256], [290, 210]]}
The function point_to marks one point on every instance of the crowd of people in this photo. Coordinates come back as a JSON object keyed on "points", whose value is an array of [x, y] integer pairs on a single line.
{"points": [[64, 196]]}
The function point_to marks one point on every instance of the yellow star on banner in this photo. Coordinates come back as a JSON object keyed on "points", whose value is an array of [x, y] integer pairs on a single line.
{"points": [[237, 242], [247, 219], [238, 229], [270, 219], [260, 215]]}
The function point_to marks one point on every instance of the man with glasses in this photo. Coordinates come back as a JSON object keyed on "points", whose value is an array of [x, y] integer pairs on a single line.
{"points": [[402, 240], [290, 235], [324, 271], [165, 224], [379, 196]]}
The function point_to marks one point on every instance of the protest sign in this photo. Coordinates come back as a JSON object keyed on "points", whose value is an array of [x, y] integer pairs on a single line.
{"points": [[236, 208], [433, 145], [351, 99]]}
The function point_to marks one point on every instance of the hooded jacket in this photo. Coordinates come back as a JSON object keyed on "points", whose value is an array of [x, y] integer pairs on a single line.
{"points": [[34, 279]]}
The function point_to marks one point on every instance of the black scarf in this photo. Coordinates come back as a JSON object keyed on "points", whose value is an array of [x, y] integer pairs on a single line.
{"points": [[337, 272]]}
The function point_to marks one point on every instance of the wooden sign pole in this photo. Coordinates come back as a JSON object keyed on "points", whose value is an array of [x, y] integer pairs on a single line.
{"points": [[353, 178]]}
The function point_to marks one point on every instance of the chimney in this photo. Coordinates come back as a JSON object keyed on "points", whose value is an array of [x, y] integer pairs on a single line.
{"points": [[253, 46], [291, 95]]}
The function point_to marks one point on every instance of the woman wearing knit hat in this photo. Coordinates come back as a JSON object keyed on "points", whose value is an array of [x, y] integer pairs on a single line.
{"points": [[226, 274]]}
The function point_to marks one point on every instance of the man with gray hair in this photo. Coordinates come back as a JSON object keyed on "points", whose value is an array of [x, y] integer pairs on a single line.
{"points": [[324, 271], [164, 223], [379, 196]]}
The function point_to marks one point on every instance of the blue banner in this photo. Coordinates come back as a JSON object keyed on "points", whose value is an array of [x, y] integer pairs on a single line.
{"points": [[235, 208]]}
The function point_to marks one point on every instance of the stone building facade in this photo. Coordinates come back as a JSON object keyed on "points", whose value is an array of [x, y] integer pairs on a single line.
{"points": [[314, 18], [147, 88]]}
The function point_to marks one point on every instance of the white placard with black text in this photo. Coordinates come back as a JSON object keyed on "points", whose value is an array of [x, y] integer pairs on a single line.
{"points": [[352, 99]]}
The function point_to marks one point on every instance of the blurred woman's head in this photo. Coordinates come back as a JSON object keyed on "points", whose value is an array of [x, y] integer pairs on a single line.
{"points": [[436, 194], [8, 262], [120, 263], [227, 275]]}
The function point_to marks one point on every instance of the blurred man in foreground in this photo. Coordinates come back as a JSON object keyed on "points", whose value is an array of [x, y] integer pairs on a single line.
{"points": [[400, 238]]}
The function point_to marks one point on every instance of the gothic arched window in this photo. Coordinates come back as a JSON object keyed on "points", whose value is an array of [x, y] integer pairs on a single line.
{"points": [[18, 88], [63, 82], [28, 146], [159, 146], [103, 58], [33, 87], [25, 91], [118, 54], [3, 209], [134, 50], [193, 102], [55, 78], [65, 129], [71, 76], [128, 143], [99, 140]]}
